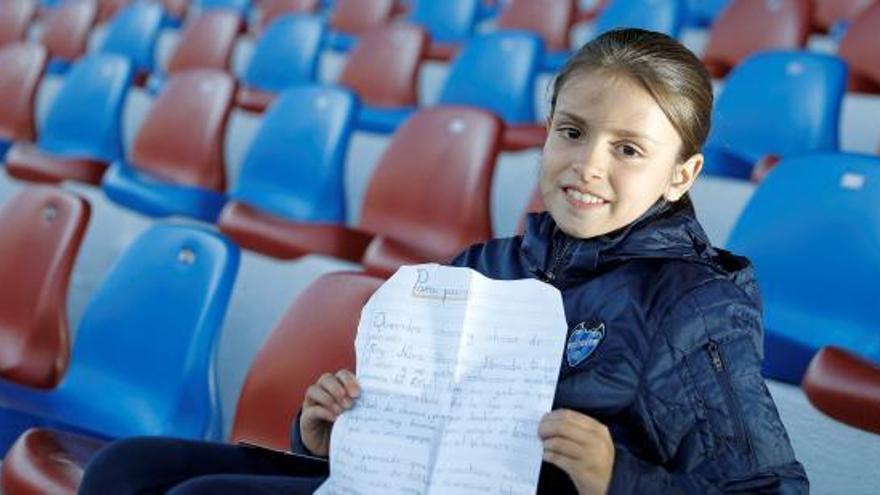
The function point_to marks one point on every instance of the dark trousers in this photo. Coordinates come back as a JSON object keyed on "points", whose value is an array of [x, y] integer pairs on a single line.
{"points": [[149, 465]]}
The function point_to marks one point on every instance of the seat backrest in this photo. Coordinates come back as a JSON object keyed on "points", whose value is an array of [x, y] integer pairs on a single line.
{"points": [[23, 65], [383, 67], [272, 9], [286, 54], [496, 72], [781, 103], [133, 32], [66, 28], [148, 335], [206, 42], [182, 137], [360, 16], [240, 6], [845, 386], [859, 46], [15, 17], [42, 231], [431, 187], [826, 13], [294, 167], [85, 117], [549, 19], [447, 21], [823, 210], [665, 16], [748, 26], [315, 336], [107, 9]]}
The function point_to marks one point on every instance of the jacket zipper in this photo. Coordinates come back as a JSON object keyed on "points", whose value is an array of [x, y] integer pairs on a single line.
{"points": [[550, 275], [727, 389]]}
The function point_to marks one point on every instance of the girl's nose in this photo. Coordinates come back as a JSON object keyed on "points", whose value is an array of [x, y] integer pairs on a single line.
{"points": [[591, 163]]}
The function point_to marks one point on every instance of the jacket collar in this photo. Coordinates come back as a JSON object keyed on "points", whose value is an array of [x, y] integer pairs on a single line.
{"points": [[666, 230]]}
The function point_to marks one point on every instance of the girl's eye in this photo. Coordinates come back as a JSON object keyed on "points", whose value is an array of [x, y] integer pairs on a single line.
{"points": [[570, 132], [629, 151]]}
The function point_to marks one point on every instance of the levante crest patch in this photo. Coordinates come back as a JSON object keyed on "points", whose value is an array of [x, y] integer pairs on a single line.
{"points": [[584, 339]]}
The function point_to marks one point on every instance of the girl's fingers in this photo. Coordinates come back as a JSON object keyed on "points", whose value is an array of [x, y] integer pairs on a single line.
{"points": [[349, 381], [563, 446], [319, 396], [321, 412], [331, 384]]}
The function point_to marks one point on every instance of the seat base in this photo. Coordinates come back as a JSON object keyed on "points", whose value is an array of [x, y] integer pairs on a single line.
{"points": [[253, 99], [523, 137], [27, 162], [285, 239]]}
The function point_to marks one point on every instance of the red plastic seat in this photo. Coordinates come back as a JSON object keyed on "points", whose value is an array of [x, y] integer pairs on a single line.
{"points": [[175, 9], [845, 387], [67, 27], [361, 16], [861, 51], [550, 19], [108, 8], [271, 9], [316, 335], [427, 200], [383, 67], [826, 13], [206, 42], [748, 26], [42, 230], [15, 17], [23, 65], [181, 140]]}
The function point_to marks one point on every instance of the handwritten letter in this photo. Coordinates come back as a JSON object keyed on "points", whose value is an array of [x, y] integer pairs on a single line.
{"points": [[455, 370]]}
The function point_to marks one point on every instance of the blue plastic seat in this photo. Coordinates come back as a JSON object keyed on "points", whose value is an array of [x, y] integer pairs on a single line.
{"points": [[133, 32], [812, 230], [176, 166], [293, 172], [240, 6], [449, 23], [664, 16], [782, 103], [143, 357], [82, 132], [285, 55], [497, 72], [702, 13]]}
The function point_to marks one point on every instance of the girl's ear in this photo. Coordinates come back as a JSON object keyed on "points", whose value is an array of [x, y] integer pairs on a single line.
{"points": [[683, 177]]}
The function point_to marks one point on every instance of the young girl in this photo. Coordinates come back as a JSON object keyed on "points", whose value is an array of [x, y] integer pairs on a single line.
{"points": [[660, 389]]}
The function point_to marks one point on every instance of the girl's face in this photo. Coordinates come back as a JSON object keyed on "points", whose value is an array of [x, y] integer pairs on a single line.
{"points": [[610, 154]]}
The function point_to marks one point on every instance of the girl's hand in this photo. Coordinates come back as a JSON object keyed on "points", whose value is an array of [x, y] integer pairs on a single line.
{"points": [[324, 402], [580, 446]]}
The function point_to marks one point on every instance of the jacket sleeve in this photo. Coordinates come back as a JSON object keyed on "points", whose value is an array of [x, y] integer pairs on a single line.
{"points": [[709, 417]]}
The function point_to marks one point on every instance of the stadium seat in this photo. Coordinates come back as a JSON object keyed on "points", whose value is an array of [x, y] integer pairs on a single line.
{"points": [[551, 20], [497, 72], [775, 104], [174, 12], [383, 70], [81, 135], [590, 13], [846, 387], [291, 187], [15, 18], [745, 27], [66, 30], [242, 7], [702, 13], [824, 208], [107, 9], [272, 9], [176, 165], [286, 55], [351, 18], [206, 42], [325, 316], [143, 357], [133, 33], [449, 23], [428, 199], [429, 196], [833, 15], [665, 16], [21, 68], [43, 228], [860, 49]]}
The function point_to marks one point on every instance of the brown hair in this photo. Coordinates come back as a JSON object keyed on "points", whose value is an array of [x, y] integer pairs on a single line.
{"points": [[671, 74]]}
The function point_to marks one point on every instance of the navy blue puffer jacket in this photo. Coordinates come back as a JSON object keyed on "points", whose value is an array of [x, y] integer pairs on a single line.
{"points": [[664, 347]]}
